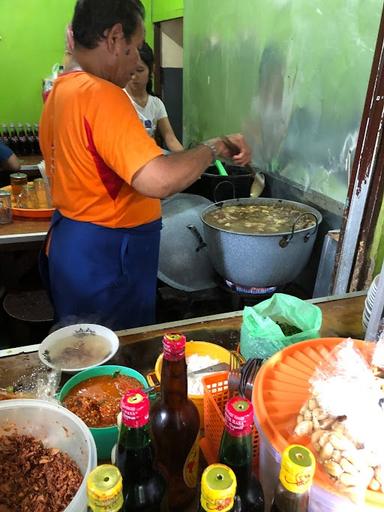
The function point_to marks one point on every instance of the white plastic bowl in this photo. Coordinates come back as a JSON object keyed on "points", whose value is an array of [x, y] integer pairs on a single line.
{"points": [[88, 330], [56, 427]]}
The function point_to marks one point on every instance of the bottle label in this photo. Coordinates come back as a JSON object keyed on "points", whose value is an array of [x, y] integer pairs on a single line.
{"points": [[219, 504], [297, 469], [191, 465], [135, 408], [239, 416], [174, 347]]}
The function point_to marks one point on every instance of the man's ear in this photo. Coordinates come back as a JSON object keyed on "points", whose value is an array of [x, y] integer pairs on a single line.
{"points": [[113, 38]]}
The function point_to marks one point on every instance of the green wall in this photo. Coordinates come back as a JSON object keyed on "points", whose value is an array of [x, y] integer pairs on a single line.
{"points": [[167, 9], [31, 42], [292, 75]]}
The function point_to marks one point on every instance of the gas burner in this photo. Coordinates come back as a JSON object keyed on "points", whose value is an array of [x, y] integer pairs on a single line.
{"points": [[250, 290]]}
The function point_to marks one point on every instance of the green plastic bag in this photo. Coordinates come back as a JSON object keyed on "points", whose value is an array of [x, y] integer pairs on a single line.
{"points": [[261, 335]]}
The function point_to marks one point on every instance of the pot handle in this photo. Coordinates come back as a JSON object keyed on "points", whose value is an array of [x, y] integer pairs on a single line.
{"points": [[287, 238], [193, 229], [219, 185]]}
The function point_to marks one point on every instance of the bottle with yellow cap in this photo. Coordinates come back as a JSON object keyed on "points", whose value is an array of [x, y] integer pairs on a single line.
{"points": [[105, 489], [218, 489], [296, 475]]}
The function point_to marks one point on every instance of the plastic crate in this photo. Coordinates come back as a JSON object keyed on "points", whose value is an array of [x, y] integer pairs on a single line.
{"points": [[216, 395]]}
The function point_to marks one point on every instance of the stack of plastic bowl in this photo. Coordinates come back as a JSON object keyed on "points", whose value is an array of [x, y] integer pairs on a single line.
{"points": [[56, 427], [370, 300], [281, 388]]}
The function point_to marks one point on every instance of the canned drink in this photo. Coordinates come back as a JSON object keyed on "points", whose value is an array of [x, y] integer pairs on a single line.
{"points": [[18, 180], [105, 489], [5, 207]]}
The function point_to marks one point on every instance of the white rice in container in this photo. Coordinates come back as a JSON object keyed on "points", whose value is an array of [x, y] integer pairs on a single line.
{"points": [[197, 362]]}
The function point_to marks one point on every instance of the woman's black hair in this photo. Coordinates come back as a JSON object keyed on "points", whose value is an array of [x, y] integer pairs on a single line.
{"points": [[146, 55], [93, 17]]}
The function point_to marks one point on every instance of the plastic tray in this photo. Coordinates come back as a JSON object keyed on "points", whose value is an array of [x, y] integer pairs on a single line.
{"points": [[30, 213], [215, 397]]}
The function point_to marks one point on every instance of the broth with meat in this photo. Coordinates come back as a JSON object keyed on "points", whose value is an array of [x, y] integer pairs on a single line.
{"points": [[78, 351], [258, 218], [97, 400]]}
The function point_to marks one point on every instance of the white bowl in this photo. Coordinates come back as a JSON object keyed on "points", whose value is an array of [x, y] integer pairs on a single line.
{"points": [[56, 427], [85, 332]]}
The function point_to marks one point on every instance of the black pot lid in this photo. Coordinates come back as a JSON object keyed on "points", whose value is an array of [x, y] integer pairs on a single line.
{"points": [[184, 262]]}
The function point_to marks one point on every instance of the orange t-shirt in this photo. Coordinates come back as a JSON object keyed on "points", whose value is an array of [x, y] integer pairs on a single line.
{"points": [[93, 143]]}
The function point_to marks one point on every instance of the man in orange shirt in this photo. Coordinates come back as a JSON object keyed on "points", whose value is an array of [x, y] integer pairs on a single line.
{"points": [[108, 176]]}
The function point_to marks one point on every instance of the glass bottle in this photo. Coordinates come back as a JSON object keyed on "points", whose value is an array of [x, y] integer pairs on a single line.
{"points": [[105, 489], [296, 475], [143, 486], [218, 489], [14, 139], [236, 452], [30, 138], [22, 137], [36, 148], [5, 134], [175, 426]]}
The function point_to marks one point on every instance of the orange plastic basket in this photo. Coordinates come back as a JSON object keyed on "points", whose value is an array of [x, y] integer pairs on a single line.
{"points": [[216, 395]]}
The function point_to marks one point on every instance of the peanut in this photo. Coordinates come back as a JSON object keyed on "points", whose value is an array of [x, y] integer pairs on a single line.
{"points": [[347, 466], [304, 428], [349, 480], [308, 415], [333, 468], [340, 442], [312, 404], [326, 451]]}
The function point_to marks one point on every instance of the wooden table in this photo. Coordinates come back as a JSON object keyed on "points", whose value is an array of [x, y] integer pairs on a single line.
{"points": [[22, 231], [140, 347]]}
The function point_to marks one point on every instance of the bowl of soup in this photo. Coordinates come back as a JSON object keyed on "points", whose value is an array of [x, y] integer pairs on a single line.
{"points": [[78, 347], [94, 395]]}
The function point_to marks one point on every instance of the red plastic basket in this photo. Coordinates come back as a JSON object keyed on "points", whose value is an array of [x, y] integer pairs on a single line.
{"points": [[216, 395]]}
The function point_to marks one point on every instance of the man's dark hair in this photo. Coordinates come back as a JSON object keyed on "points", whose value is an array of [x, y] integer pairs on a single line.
{"points": [[146, 55], [93, 17]]}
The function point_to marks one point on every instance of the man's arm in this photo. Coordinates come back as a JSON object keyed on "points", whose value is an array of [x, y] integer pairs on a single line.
{"points": [[166, 175], [8, 160]]}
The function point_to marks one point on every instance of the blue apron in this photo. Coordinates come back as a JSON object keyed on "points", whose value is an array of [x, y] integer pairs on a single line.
{"points": [[102, 275]]}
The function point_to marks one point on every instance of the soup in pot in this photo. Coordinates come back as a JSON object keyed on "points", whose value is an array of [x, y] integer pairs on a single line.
{"points": [[259, 218]]}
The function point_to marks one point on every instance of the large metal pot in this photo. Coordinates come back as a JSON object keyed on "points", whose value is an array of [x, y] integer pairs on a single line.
{"points": [[260, 260]]}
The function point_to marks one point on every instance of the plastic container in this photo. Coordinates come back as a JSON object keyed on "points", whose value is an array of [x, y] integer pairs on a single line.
{"points": [[56, 427], [281, 388], [215, 397], [202, 348], [105, 437]]}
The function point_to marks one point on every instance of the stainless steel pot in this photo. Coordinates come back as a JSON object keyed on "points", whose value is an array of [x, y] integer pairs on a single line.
{"points": [[260, 260]]}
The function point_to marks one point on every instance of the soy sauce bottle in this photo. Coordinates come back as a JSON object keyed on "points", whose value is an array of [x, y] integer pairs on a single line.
{"points": [[236, 452], [218, 490], [295, 480], [105, 489], [143, 486], [175, 427]]}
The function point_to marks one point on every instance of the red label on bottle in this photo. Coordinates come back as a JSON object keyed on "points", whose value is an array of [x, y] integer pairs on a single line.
{"points": [[135, 409], [174, 346], [239, 416]]}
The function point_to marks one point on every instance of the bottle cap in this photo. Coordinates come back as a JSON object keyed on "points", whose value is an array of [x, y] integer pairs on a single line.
{"points": [[105, 489], [239, 416], [218, 488], [174, 346], [297, 468], [135, 408]]}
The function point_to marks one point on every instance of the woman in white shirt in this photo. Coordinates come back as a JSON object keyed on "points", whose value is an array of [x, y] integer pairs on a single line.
{"points": [[150, 108]]}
